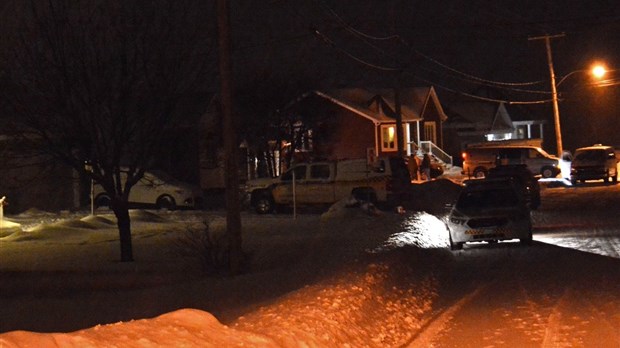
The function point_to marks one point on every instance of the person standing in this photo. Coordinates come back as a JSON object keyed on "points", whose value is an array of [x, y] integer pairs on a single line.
{"points": [[425, 167], [414, 167]]}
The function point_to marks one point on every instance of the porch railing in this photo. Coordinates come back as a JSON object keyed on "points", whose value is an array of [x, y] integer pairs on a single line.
{"points": [[429, 147]]}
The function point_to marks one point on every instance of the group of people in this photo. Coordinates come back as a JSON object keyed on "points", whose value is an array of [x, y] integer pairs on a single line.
{"points": [[420, 169]]}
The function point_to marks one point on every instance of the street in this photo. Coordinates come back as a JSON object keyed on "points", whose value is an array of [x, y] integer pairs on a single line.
{"points": [[543, 295]]}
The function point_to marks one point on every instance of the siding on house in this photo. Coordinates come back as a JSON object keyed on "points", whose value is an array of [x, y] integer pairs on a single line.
{"points": [[353, 135]]}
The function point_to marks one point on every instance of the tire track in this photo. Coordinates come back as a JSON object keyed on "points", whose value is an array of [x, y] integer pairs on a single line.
{"points": [[438, 322]]}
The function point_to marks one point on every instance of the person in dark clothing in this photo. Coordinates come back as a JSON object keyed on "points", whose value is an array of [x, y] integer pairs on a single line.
{"points": [[425, 167]]}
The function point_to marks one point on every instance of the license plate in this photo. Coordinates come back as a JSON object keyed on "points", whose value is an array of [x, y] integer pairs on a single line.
{"points": [[489, 231], [477, 232]]}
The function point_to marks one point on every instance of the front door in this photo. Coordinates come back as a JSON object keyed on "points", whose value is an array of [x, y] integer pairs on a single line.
{"points": [[430, 131]]}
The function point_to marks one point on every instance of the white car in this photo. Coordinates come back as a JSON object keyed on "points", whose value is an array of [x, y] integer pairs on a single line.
{"points": [[157, 189], [489, 210]]}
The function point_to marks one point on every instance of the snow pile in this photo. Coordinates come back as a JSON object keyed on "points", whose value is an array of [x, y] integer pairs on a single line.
{"points": [[9, 227], [181, 328], [368, 307]]}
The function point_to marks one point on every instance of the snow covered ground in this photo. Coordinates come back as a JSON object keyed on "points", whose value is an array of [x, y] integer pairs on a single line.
{"points": [[341, 278]]}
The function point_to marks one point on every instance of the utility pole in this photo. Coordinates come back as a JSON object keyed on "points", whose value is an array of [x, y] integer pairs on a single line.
{"points": [[231, 146], [554, 91], [399, 118]]}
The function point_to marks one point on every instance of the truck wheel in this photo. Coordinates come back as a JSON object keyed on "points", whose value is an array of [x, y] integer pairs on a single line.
{"points": [[480, 173], [547, 172], [364, 195], [166, 202], [264, 204], [102, 201]]}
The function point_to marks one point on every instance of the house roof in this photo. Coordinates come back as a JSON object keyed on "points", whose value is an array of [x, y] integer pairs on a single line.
{"points": [[378, 105], [485, 116]]}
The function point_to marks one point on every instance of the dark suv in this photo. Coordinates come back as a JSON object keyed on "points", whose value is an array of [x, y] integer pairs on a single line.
{"points": [[597, 162], [524, 179]]}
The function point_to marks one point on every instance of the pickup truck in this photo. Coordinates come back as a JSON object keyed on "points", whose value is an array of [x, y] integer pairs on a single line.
{"points": [[326, 182]]}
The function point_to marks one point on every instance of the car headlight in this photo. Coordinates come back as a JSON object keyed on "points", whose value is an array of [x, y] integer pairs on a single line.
{"points": [[457, 221]]}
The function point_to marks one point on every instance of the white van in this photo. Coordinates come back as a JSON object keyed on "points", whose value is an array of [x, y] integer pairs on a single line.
{"points": [[479, 159], [158, 189]]}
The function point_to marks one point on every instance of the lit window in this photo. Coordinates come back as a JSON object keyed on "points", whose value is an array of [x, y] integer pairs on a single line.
{"points": [[388, 138]]}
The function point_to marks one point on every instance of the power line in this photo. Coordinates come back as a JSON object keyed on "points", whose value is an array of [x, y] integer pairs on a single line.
{"points": [[350, 55], [365, 36]]}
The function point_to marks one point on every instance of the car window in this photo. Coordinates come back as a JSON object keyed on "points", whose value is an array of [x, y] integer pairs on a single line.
{"points": [[534, 153], [300, 173], [485, 199], [319, 171], [590, 155], [513, 154]]}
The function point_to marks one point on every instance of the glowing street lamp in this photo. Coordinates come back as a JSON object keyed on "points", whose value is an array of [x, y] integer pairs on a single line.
{"points": [[598, 71]]}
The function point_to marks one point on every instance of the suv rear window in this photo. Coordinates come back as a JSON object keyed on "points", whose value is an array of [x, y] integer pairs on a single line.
{"points": [[590, 155], [491, 198]]}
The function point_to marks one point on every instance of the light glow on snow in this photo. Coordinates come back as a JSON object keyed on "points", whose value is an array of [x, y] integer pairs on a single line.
{"points": [[419, 229]]}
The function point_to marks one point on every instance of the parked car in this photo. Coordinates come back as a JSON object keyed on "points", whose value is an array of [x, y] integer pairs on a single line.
{"points": [[156, 189], [596, 162], [489, 210], [477, 160], [523, 178]]}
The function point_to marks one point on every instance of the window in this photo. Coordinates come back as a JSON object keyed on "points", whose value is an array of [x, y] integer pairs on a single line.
{"points": [[300, 174], [430, 134], [319, 171], [388, 138], [533, 153]]}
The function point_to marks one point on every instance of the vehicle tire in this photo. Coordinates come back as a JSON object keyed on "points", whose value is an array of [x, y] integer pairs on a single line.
{"points": [[364, 194], [264, 204], [480, 173], [527, 240], [102, 201], [548, 172], [166, 202], [455, 246]]}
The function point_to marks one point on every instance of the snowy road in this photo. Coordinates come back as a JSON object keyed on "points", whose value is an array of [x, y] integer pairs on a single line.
{"points": [[539, 296], [584, 218]]}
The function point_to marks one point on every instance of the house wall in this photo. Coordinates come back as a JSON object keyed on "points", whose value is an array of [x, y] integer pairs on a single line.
{"points": [[350, 135]]}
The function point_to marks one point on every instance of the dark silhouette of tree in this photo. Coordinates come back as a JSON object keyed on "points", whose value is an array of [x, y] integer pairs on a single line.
{"points": [[106, 82]]}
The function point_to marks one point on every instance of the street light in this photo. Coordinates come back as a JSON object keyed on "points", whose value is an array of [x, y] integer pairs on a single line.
{"points": [[597, 71]]}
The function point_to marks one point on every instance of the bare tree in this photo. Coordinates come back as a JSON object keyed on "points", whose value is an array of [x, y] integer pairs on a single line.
{"points": [[104, 82]]}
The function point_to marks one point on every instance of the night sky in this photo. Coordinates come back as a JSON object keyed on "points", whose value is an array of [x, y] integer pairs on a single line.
{"points": [[460, 47], [284, 48]]}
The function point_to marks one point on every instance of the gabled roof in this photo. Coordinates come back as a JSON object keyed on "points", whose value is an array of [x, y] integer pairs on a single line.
{"points": [[485, 116], [378, 105]]}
